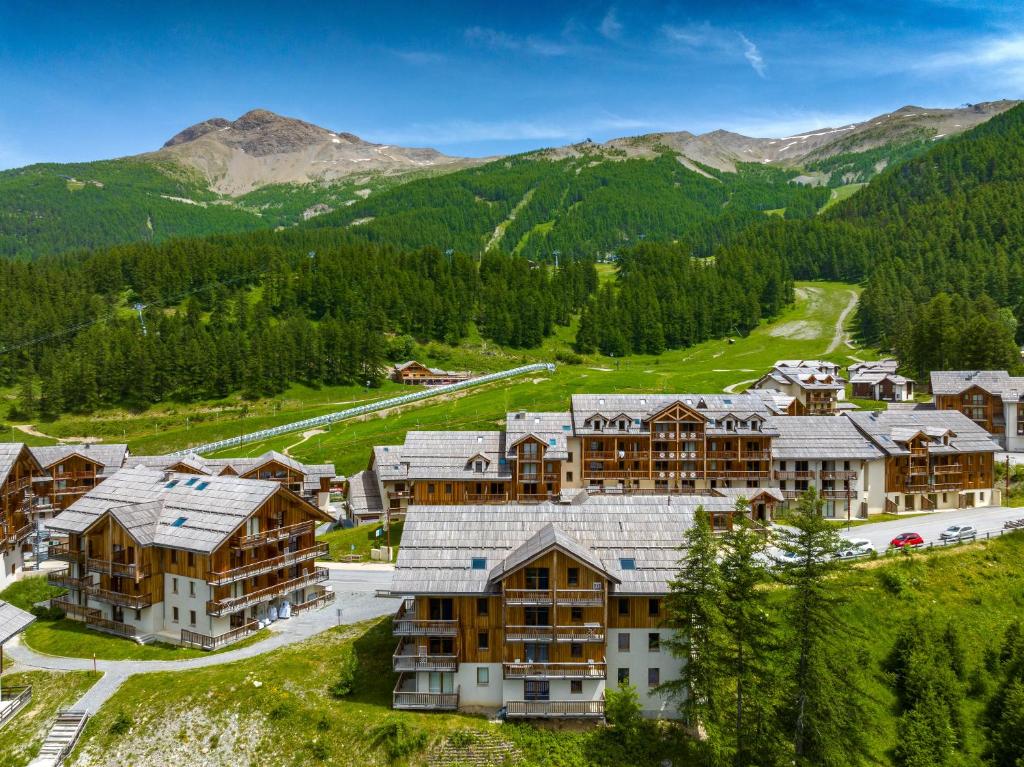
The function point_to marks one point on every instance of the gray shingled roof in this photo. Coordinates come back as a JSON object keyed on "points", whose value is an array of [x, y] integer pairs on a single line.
{"points": [[552, 429], [439, 542], [877, 376], [9, 452], [886, 428], [997, 382], [450, 455], [875, 366], [644, 406], [111, 457], [312, 473], [815, 437], [364, 494], [548, 537], [196, 513], [13, 620]]}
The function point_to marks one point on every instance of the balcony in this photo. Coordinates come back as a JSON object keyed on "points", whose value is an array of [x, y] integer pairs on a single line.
{"points": [[204, 642], [405, 697], [274, 535], [599, 455], [487, 497], [838, 495], [840, 475], [568, 709], [110, 627], [722, 455], [528, 670], [12, 700], [403, 625], [617, 473], [743, 474], [220, 607], [755, 455], [549, 477], [314, 604], [534, 497], [117, 568], [75, 611], [253, 569], [583, 633], [20, 534], [63, 579], [134, 601], [399, 493], [62, 552], [17, 485], [528, 596], [948, 469], [580, 597], [794, 475], [410, 657]]}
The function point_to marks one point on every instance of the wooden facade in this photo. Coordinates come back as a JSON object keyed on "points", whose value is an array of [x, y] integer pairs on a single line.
{"points": [[15, 499], [981, 406], [535, 477], [73, 476]]}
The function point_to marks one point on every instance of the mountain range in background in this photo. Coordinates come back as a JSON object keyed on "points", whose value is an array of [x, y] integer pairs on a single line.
{"points": [[265, 171]]}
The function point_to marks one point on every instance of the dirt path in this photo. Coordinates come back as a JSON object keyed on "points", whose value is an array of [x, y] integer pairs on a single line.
{"points": [[305, 435], [28, 428], [731, 388], [837, 338]]}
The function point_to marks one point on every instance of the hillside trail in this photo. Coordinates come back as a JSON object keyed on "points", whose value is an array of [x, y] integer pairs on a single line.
{"points": [[837, 338], [305, 436]]}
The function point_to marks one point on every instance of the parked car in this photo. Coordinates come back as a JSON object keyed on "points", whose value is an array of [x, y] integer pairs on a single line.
{"points": [[855, 547], [907, 539], [959, 533]]}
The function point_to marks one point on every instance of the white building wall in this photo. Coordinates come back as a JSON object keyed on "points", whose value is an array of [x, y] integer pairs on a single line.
{"points": [[574, 467], [876, 486], [560, 689], [473, 694], [1014, 441], [185, 601], [638, 660], [13, 562]]}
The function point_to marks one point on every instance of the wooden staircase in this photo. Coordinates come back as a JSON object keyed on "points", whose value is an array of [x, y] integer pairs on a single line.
{"points": [[61, 738]]}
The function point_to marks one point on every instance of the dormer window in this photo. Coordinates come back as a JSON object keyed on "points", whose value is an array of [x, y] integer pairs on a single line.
{"points": [[755, 426], [478, 467], [623, 424]]}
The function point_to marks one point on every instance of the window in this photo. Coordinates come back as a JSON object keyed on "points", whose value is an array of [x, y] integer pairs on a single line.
{"points": [[483, 676], [179, 522], [192, 617], [174, 614], [191, 559], [479, 563], [653, 677], [576, 613], [534, 689], [174, 584], [623, 641], [627, 563], [653, 607], [574, 576], [623, 606], [570, 459], [568, 476], [535, 615], [191, 481], [448, 488], [430, 488], [575, 686], [654, 642], [191, 588], [174, 556], [483, 606], [483, 641], [623, 676], [576, 650], [537, 578], [478, 467]]}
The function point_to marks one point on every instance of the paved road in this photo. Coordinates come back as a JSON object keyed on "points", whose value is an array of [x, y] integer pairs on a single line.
{"points": [[355, 585], [987, 520]]}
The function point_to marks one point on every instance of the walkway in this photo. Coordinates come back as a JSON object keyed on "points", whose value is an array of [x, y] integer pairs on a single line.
{"points": [[355, 586], [837, 338]]}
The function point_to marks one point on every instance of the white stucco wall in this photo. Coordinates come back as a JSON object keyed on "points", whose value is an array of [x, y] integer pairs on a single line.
{"points": [[205, 624], [470, 693], [13, 562], [638, 660]]}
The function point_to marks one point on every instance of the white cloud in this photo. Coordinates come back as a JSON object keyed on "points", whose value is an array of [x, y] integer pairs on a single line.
{"points": [[610, 27], [752, 55], [497, 40], [705, 37], [1003, 56]]}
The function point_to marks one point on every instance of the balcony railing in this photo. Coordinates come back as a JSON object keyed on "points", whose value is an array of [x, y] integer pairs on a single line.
{"points": [[410, 657], [735, 474], [273, 535], [580, 597], [134, 601], [110, 627], [315, 603], [20, 534], [838, 495], [555, 708], [552, 477], [399, 493], [117, 569], [599, 455], [583, 633], [528, 596], [75, 611], [722, 455], [794, 475], [219, 607], [534, 497], [948, 469], [617, 473], [204, 642], [839, 475], [487, 497], [405, 698], [62, 552], [591, 670], [17, 485], [64, 579], [253, 569], [12, 700]]}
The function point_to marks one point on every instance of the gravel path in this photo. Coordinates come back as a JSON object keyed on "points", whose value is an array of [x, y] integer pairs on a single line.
{"points": [[837, 339], [355, 586]]}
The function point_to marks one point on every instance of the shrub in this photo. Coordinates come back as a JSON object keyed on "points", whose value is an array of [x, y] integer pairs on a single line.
{"points": [[319, 751], [622, 710], [346, 683], [568, 358], [121, 725], [47, 613], [893, 580]]}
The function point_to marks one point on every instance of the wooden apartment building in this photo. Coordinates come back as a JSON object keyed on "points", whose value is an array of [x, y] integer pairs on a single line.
{"points": [[814, 386], [880, 381], [416, 373], [17, 468], [70, 471], [993, 399], [188, 558]]}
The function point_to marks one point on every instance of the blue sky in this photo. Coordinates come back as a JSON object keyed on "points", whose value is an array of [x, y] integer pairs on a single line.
{"points": [[83, 81]]}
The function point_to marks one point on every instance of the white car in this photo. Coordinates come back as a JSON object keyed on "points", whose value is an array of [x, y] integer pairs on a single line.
{"points": [[959, 533], [854, 548]]}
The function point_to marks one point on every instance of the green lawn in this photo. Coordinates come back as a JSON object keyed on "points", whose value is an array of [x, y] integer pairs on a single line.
{"points": [[278, 709], [30, 591], [841, 193], [359, 540], [72, 639], [21, 737]]}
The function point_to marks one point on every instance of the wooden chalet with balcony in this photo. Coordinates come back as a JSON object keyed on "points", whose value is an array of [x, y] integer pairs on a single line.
{"points": [[932, 459], [70, 471], [880, 381], [417, 374], [993, 399], [815, 386], [18, 468], [182, 557]]}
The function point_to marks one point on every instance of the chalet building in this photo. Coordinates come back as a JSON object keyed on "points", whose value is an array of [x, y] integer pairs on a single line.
{"points": [[932, 459], [881, 385], [538, 609], [653, 444], [993, 399], [188, 558], [18, 467], [814, 385], [312, 482], [416, 373], [830, 455], [70, 471], [13, 698]]}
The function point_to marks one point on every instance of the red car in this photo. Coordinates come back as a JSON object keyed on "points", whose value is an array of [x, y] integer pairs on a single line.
{"points": [[906, 539]]}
